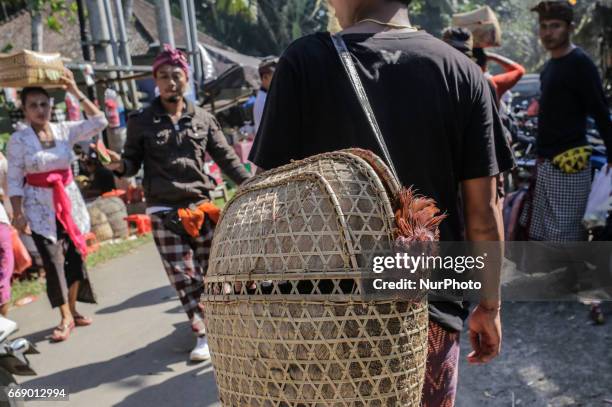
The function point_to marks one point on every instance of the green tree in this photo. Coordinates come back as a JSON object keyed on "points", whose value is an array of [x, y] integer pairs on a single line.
{"points": [[432, 15], [264, 27], [519, 25], [260, 27]]}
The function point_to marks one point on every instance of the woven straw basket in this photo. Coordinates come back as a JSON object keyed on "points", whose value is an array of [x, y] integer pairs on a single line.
{"points": [[287, 324], [29, 68]]}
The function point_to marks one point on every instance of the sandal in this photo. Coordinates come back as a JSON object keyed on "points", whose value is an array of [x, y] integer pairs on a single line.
{"points": [[62, 332], [80, 320]]}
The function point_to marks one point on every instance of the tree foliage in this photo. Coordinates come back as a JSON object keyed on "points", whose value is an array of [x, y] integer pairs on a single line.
{"points": [[263, 27], [432, 15], [260, 27], [56, 10], [519, 24]]}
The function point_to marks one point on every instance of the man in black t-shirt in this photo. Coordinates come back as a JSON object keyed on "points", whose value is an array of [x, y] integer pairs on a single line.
{"points": [[436, 113], [571, 91]]}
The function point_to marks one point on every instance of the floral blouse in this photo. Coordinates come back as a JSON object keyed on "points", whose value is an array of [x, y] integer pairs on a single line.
{"points": [[27, 156]]}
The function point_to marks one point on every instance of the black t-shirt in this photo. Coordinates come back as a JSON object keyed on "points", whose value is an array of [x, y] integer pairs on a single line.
{"points": [[571, 91], [432, 103]]}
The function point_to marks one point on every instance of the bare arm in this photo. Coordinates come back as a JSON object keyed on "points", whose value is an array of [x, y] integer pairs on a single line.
{"points": [[128, 164], [19, 220], [70, 86], [15, 177], [16, 204], [483, 220], [513, 73], [483, 223], [506, 63], [96, 122]]}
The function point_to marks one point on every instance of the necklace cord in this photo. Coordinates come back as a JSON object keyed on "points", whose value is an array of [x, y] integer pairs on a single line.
{"points": [[387, 24]]}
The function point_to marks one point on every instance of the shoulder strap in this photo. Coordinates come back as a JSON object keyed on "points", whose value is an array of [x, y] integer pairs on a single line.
{"points": [[362, 96]]}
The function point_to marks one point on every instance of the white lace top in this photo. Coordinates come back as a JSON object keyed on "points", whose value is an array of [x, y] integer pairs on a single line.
{"points": [[26, 155]]}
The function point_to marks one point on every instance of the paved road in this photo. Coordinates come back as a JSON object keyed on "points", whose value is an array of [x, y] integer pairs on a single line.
{"points": [[135, 353]]}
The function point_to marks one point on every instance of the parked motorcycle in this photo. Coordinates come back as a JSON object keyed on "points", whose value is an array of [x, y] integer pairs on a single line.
{"points": [[13, 361]]}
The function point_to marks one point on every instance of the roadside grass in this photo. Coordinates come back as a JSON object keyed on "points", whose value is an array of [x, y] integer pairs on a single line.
{"points": [[24, 288], [230, 193], [111, 251]]}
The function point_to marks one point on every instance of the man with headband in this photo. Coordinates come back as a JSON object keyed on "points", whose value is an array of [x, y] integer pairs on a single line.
{"points": [[171, 138], [571, 91]]}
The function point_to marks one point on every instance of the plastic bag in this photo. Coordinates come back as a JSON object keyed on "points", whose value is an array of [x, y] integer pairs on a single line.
{"points": [[23, 260], [600, 199]]}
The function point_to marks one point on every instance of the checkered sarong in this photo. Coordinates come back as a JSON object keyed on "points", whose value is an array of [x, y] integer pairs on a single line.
{"points": [[186, 261], [558, 205]]}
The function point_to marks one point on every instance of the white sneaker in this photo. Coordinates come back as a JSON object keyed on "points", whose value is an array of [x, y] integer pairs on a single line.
{"points": [[200, 352], [7, 327]]}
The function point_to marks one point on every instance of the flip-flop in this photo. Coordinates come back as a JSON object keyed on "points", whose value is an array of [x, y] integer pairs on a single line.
{"points": [[62, 332], [81, 320]]}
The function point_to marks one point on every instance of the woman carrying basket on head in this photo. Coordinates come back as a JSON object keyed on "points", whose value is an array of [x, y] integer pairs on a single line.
{"points": [[46, 201]]}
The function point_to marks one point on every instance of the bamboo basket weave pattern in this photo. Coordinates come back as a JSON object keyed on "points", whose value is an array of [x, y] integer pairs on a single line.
{"points": [[29, 68], [287, 325]]}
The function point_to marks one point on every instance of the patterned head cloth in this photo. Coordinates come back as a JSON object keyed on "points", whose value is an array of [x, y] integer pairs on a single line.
{"points": [[555, 10], [171, 56]]}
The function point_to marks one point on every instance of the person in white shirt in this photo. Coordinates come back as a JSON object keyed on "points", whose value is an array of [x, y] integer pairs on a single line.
{"points": [[46, 201], [266, 73]]}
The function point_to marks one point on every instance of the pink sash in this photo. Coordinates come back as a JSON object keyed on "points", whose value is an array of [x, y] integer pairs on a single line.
{"points": [[58, 180]]}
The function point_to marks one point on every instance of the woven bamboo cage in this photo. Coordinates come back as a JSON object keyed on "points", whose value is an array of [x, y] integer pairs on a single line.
{"points": [[29, 68], [287, 323]]}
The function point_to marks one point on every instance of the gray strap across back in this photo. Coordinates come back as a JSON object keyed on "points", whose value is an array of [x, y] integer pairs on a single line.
{"points": [[362, 96]]}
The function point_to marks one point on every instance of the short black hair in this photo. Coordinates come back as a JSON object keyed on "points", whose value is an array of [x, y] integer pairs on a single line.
{"points": [[555, 10], [31, 90], [406, 2], [459, 38]]}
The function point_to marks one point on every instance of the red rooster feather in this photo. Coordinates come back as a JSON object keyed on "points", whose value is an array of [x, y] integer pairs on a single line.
{"points": [[417, 218]]}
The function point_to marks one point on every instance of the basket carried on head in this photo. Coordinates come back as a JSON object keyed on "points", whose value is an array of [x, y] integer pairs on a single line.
{"points": [[483, 24], [29, 68], [287, 324]]}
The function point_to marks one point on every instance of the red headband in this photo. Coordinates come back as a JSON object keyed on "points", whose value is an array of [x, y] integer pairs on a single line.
{"points": [[171, 56]]}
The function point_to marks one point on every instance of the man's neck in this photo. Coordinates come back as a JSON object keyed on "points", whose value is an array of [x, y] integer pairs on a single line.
{"points": [[173, 109], [562, 51], [388, 12]]}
